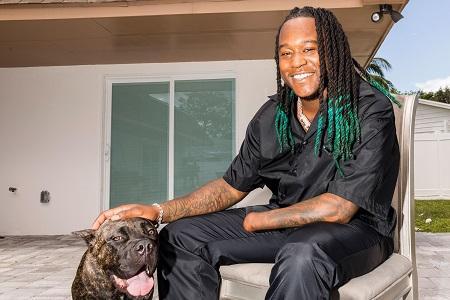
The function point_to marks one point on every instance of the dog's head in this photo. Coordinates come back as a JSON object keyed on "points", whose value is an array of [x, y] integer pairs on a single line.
{"points": [[127, 252]]}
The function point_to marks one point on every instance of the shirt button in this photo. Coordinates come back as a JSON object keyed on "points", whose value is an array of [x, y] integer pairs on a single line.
{"points": [[304, 142], [294, 172]]}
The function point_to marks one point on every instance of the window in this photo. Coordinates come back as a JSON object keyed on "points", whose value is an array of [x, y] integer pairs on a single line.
{"points": [[203, 131], [156, 155]]}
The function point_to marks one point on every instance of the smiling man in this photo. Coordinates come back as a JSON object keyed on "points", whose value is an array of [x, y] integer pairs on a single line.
{"points": [[325, 145]]}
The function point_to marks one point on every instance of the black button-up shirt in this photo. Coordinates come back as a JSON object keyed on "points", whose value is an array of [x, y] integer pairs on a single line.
{"points": [[368, 179]]}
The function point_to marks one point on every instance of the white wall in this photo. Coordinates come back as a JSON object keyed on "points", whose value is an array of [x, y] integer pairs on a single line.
{"points": [[432, 117], [432, 151], [51, 133], [432, 166]]}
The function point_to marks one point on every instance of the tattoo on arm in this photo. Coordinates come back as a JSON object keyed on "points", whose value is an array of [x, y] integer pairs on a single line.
{"points": [[324, 208], [214, 196]]}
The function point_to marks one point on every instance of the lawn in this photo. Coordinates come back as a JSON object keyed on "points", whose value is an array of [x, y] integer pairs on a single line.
{"points": [[433, 215]]}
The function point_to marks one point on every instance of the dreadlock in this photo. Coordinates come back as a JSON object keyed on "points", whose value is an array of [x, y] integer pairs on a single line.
{"points": [[340, 76]]}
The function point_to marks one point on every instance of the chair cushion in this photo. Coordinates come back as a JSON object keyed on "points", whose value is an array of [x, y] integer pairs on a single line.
{"points": [[393, 274]]}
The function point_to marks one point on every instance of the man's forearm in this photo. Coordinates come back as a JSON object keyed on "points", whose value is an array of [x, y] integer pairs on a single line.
{"points": [[323, 208], [214, 196]]}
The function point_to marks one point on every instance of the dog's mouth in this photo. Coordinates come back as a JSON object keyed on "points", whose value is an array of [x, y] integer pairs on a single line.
{"points": [[138, 285]]}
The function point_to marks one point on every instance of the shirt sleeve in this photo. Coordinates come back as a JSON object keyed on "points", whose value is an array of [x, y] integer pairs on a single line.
{"points": [[243, 173], [369, 179]]}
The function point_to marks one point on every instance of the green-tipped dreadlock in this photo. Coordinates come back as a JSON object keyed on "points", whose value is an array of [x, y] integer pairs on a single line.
{"points": [[282, 125], [338, 114]]}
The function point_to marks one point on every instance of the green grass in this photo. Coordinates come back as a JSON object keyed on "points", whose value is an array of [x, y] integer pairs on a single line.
{"points": [[436, 210]]}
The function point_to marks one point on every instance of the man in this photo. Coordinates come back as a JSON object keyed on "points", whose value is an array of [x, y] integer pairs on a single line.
{"points": [[325, 145]]}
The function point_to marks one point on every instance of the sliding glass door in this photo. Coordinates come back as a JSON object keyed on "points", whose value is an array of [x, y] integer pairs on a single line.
{"points": [[203, 131], [139, 142], [168, 137]]}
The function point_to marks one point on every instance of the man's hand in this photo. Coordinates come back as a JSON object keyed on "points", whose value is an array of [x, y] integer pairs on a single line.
{"points": [[251, 223], [127, 211]]}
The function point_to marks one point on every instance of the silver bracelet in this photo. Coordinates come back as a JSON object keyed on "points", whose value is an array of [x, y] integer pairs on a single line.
{"points": [[160, 214]]}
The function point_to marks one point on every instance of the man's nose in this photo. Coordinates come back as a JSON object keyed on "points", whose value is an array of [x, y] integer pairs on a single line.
{"points": [[298, 60]]}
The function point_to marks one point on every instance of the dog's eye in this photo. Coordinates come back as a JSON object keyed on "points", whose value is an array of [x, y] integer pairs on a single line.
{"points": [[151, 231], [117, 238]]}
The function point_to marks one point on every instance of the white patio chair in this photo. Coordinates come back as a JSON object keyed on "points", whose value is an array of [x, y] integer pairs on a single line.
{"points": [[396, 278]]}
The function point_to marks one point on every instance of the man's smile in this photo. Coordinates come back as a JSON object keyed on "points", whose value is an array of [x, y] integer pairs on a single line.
{"points": [[301, 76]]}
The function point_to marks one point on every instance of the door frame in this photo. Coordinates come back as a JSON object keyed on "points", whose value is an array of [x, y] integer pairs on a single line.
{"points": [[109, 80]]}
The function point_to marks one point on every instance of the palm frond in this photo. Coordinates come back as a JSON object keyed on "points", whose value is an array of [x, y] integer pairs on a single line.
{"points": [[383, 63], [385, 83], [378, 65], [375, 69]]}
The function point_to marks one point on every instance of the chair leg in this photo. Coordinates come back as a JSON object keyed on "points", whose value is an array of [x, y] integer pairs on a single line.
{"points": [[408, 296]]}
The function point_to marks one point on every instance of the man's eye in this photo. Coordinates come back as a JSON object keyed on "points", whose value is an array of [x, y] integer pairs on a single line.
{"points": [[285, 53], [117, 238], [309, 49]]}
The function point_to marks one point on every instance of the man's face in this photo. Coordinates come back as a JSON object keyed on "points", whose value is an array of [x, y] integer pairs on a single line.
{"points": [[299, 57]]}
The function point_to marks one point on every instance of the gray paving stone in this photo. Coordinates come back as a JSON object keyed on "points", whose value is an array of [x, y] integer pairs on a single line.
{"points": [[441, 282], [43, 267], [426, 283], [50, 298], [23, 292], [56, 292], [5, 290], [433, 297], [435, 272]]}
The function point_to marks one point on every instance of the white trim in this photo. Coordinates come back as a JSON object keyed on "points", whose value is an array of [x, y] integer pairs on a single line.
{"points": [[234, 119], [171, 146], [428, 194], [434, 103], [109, 80], [435, 136], [205, 76], [106, 147]]}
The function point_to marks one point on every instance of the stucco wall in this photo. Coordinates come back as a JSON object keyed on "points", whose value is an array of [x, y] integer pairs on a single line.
{"points": [[51, 132]]}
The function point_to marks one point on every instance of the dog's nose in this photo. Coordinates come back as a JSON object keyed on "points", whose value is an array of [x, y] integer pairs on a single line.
{"points": [[143, 247]]}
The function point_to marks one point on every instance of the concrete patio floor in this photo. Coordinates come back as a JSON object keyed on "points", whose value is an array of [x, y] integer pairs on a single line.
{"points": [[43, 267]]}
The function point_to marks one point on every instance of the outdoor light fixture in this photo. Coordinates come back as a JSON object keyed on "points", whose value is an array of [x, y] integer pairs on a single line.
{"points": [[386, 9]]}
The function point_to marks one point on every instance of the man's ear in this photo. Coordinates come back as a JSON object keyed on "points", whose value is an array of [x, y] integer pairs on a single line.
{"points": [[87, 235]]}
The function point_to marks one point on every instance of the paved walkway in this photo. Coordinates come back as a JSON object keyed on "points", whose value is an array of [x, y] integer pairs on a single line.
{"points": [[433, 264], [43, 267]]}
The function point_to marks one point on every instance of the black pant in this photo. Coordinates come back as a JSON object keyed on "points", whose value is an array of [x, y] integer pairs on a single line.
{"points": [[310, 261]]}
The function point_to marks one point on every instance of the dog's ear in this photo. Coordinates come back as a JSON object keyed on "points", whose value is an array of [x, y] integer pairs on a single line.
{"points": [[87, 234], [154, 223]]}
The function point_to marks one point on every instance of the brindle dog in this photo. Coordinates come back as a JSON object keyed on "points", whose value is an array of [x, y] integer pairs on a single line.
{"points": [[119, 262]]}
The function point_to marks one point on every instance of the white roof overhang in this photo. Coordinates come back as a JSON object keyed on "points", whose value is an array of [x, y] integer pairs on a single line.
{"points": [[78, 33]]}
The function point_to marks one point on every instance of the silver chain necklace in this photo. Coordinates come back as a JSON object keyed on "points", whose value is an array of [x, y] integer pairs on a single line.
{"points": [[304, 121]]}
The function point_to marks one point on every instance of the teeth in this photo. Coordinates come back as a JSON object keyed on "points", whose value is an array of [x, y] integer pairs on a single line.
{"points": [[301, 76], [147, 271]]}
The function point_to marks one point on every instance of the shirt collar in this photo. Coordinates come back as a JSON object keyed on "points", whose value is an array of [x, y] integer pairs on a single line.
{"points": [[365, 89]]}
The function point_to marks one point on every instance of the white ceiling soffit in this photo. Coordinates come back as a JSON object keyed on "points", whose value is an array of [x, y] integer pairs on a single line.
{"points": [[173, 37]]}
